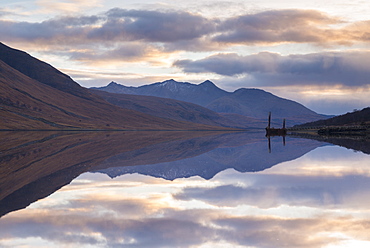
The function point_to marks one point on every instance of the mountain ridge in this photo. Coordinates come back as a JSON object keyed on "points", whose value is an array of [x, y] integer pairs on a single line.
{"points": [[40, 71], [249, 102], [174, 109]]}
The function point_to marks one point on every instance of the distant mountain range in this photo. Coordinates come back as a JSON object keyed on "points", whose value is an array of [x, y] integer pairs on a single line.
{"points": [[243, 152], [179, 110], [251, 103]]}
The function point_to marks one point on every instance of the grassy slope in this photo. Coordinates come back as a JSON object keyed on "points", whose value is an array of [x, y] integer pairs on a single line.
{"points": [[174, 109], [29, 104]]}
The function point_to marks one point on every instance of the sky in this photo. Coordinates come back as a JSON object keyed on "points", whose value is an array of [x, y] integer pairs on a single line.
{"points": [[314, 52]]}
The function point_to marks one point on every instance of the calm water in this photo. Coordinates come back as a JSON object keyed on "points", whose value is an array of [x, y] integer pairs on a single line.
{"points": [[212, 191]]}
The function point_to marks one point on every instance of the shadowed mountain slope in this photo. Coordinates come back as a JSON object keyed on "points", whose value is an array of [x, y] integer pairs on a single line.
{"points": [[40, 71], [359, 117]]}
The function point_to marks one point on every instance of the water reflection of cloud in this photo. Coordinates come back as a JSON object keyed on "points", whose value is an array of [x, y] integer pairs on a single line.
{"points": [[274, 208], [202, 227], [329, 161], [273, 191]]}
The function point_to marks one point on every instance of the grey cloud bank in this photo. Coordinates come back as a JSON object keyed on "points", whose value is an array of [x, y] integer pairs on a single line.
{"points": [[121, 25], [335, 68], [138, 35]]}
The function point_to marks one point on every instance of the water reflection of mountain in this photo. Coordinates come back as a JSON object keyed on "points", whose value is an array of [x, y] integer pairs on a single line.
{"points": [[33, 165], [244, 152]]}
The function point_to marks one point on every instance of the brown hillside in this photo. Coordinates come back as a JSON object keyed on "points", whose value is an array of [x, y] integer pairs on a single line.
{"points": [[28, 104], [40, 71], [175, 110]]}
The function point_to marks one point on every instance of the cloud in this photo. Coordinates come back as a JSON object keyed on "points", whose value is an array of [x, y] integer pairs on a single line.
{"points": [[293, 26], [155, 26], [115, 25], [271, 192], [66, 6], [134, 35], [271, 69], [183, 30], [118, 34], [270, 232], [129, 52], [110, 231], [181, 229], [4, 12], [51, 33]]}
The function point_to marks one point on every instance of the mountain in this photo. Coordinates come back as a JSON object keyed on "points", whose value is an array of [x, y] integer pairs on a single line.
{"points": [[40, 71], [252, 103], [35, 95], [359, 117], [201, 94], [178, 110]]}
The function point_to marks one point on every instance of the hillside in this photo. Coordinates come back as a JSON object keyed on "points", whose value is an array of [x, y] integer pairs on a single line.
{"points": [[258, 103], [360, 117], [178, 110], [40, 71], [44, 98], [251, 103]]}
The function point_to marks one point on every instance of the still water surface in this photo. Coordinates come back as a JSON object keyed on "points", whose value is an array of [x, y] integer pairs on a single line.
{"points": [[216, 191]]}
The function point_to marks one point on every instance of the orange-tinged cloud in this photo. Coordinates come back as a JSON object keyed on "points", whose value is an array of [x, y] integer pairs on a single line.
{"points": [[184, 31]]}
